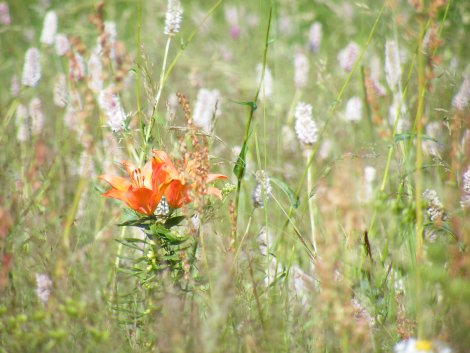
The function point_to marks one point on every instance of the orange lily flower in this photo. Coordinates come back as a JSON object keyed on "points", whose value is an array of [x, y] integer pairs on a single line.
{"points": [[143, 191], [178, 191]]}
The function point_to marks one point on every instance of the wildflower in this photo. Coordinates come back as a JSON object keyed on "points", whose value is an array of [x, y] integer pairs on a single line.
{"points": [[76, 67], [435, 209], [60, 91], [49, 28], [361, 314], [301, 68], [392, 64], [232, 18], [173, 17], [301, 283], [305, 127], [267, 84], [207, 106], [22, 123], [369, 177], [5, 19], [110, 104], [353, 111], [62, 45], [465, 201], [466, 181], [37, 117], [433, 130], [460, 100], [348, 56], [314, 36], [43, 287], [398, 110], [262, 190], [15, 86], [178, 192], [265, 241], [412, 345], [95, 73], [31, 68], [143, 192], [195, 221]]}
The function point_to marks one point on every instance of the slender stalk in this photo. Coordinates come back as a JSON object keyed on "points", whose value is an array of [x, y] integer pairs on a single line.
{"points": [[137, 72], [157, 100], [190, 38], [311, 203], [241, 158], [419, 179]]}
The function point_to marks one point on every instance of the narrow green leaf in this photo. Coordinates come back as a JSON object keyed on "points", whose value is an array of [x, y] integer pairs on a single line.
{"points": [[293, 198]]}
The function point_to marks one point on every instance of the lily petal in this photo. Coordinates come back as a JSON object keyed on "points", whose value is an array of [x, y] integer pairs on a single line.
{"points": [[214, 192], [214, 177], [116, 182]]}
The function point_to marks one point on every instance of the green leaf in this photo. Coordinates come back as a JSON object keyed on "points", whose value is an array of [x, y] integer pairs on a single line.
{"points": [[293, 198], [173, 221], [251, 104], [408, 135]]}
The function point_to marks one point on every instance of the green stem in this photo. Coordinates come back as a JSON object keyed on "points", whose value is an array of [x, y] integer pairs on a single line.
{"points": [[241, 158], [419, 180], [157, 100], [310, 203]]}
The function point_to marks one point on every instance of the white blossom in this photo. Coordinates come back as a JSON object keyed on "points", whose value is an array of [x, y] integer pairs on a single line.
{"points": [[173, 17], [301, 68], [14, 86], [392, 65], [305, 127], [267, 84], [110, 105], [31, 68], [22, 123], [62, 45], [95, 73], [49, 28], [206, 108], [60, 91], [435, 209], [37, 116], [76, 67], [412, 345], [262, 190], [353, 111], [315, 36], [465, 200], [5, 19], [43, 287], [461, 99], [348, 56]]}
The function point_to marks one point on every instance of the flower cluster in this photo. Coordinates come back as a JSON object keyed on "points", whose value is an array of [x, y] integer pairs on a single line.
{"points": [[435, 209], [465, 201], [159, 177], [262, 190], [412, 345], [305, 127]]}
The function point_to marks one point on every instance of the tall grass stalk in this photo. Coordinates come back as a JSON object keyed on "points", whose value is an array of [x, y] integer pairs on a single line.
{"points": [[240, 166], [419, 178]]}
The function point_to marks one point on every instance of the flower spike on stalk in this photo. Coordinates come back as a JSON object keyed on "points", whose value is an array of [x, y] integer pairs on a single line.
{"points": [[181, 184]]}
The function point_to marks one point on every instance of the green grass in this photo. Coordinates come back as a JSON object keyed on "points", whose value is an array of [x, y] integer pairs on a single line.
{"points": [[370, 263]]}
